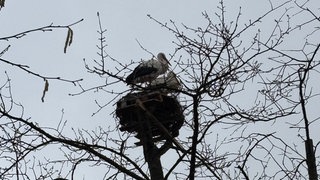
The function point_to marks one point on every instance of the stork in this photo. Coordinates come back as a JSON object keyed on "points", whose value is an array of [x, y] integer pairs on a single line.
{"points": [[170, 82], [149, 70]]}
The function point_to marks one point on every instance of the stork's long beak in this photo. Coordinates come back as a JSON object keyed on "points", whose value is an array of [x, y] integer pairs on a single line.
{"points": [[168, 61], [165, 58]]}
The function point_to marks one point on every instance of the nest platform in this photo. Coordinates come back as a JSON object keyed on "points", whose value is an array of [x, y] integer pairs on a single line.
{"points": [[134, 109]]}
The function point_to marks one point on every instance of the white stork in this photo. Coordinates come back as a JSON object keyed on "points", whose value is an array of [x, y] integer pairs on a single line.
{"points": [[170, 82], [149, 70]]}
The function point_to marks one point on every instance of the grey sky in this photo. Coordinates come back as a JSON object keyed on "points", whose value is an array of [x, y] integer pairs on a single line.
{"points": [[126, 22]]}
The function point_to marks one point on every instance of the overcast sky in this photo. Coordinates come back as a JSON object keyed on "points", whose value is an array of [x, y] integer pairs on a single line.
{"points": [[125, 21]]}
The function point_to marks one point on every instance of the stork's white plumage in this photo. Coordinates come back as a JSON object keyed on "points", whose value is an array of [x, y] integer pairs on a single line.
{"points": [[169, 82], [149, 70]]}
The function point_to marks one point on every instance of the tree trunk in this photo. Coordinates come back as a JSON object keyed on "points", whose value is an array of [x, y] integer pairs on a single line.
{"points": [[150, 150], [311, 160], [155, 168]]}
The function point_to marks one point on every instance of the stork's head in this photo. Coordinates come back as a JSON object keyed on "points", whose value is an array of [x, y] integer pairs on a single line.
{"points": [[162, 58]]}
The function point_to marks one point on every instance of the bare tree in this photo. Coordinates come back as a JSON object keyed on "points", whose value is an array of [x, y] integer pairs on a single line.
{"points": [[219, 66], [241, 83]]}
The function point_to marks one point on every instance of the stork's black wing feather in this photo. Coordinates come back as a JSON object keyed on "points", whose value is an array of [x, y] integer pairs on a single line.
{"points": [[139, 72]]}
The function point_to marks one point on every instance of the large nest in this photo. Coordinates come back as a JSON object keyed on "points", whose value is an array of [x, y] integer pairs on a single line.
{"points": [[165, 109]]}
